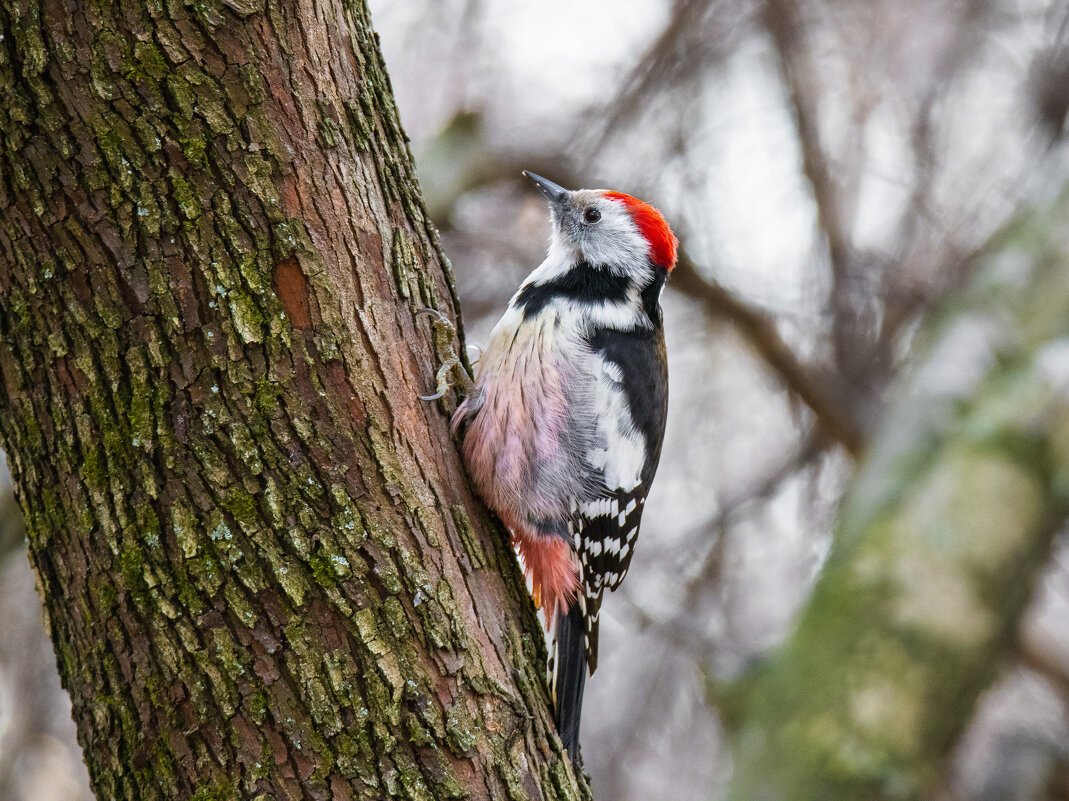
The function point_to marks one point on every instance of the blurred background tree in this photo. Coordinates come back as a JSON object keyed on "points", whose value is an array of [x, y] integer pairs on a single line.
{"points": [[836, 172]]}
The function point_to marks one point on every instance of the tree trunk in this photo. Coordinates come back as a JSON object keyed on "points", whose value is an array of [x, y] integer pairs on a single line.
{"points": [[264, 571], [937, 550]]}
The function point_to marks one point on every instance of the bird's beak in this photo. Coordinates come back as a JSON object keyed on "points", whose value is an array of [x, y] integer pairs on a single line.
{"points": [[552, 191]]}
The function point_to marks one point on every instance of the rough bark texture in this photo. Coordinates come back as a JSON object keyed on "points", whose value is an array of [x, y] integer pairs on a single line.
{"points": [[937, 549], [265, 574]]}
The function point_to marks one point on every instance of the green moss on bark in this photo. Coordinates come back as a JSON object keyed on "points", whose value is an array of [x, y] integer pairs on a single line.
{"points": [[948, 522], [247, 535]]}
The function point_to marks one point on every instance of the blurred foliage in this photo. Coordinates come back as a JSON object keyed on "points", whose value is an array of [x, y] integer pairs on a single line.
{"points": [[940, 539]]}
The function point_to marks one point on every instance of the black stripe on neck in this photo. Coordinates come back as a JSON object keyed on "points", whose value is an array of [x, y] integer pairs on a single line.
{"points": [[583, 282], [651, 295]]}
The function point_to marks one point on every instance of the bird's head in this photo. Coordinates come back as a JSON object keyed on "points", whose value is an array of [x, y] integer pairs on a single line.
{"points": [[607, 229]]}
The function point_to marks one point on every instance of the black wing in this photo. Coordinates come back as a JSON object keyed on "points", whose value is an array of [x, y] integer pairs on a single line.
{"points": [[605, 529]]}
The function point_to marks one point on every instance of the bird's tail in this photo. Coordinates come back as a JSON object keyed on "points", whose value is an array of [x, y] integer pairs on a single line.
{"points": [[569, 676]]}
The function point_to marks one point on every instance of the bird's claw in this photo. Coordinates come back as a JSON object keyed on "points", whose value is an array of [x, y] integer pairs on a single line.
{"points": [[439, 394], [451, 371], [441, 318], [442, 383]]}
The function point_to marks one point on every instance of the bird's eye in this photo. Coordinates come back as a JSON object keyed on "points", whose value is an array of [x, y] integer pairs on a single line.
{"points": [[592, 215]]}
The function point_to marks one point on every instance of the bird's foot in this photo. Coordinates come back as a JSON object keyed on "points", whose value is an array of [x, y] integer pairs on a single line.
{"points": [[451, 371]]}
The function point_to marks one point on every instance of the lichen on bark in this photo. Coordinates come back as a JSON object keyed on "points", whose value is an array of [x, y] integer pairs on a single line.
{"points": [[265, 573], [939, 541]]}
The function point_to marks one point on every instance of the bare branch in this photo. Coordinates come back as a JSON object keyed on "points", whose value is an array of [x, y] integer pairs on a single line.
{"points": [[1038, 657], [822, 392], [799, 77], [675, 57]]}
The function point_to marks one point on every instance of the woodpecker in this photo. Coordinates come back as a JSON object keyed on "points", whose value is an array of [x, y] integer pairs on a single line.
{"points": [[563, 429]]}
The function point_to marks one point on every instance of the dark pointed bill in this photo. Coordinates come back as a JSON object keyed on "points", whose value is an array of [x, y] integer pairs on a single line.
{"points": [[546, 187]]}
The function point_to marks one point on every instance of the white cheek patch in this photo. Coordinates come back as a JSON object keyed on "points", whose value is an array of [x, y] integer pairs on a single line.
{"points": [[616, 242], [619, 315]]}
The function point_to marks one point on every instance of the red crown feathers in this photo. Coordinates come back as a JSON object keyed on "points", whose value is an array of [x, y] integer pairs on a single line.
{"points": [[651, 224]]}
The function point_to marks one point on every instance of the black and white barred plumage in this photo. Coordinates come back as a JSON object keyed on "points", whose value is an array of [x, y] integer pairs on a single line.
{"points": [[564, 429]]}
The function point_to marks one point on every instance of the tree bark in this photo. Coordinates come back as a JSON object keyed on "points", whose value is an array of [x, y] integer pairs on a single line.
{"points": [[937, 549], [265, 574]]}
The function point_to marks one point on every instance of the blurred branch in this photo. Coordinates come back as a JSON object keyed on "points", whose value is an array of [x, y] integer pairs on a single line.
{"points": [[799, 76], [904, 301], [682, 632], [1048, 77], [937, 551], [634, 733], [683, 49], [1039, 658], [822, 392], [680, 629], [811, 446], [857, 358]]}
